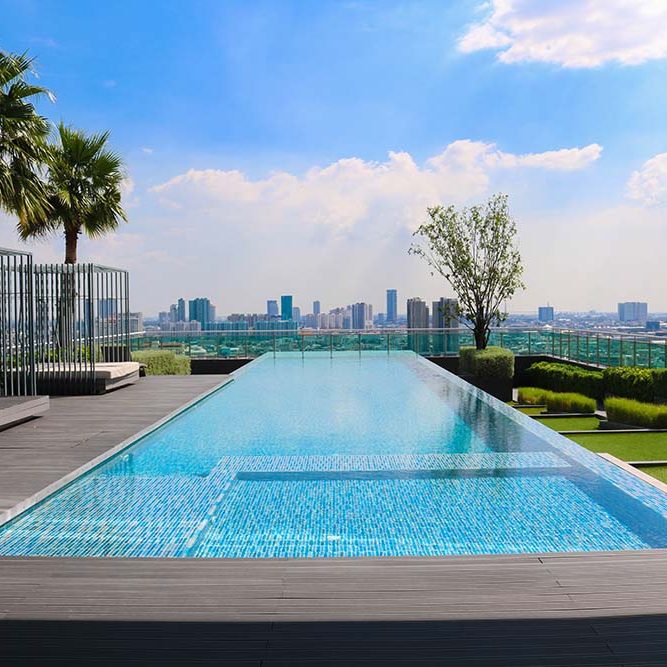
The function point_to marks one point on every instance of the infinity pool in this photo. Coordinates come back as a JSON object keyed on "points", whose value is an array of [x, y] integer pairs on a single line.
{"points": [[352, 455]]}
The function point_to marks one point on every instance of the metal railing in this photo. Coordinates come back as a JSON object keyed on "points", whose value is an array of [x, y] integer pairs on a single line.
{"points": [[17, 352], [599, 348], [81, 319]]}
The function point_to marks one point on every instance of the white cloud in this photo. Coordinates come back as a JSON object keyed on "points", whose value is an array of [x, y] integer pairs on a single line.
{"points": [[572, 33], [649, 184], [353, 191], [147, 149]]}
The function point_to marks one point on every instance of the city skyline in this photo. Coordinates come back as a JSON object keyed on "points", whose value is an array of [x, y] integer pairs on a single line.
{"points": [[320, 150]]}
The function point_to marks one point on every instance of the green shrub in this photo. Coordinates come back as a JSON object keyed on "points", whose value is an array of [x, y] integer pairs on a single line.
{"points": [[533, 395], [493, 362], [160, 362], [629, 382], [659, 384], [635, 413], [566, 378], [570, 402]]}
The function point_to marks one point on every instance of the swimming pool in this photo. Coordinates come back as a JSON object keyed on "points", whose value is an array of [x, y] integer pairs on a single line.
{"points": [[350, 455]]}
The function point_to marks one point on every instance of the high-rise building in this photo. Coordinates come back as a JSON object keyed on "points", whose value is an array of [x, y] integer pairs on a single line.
{"points": [[136, 322], [417, 314], [633, 311], [272, 308], [445, 316], [107, 308], [173, 314], [200, 311], [163, 320], [211, 313], [545, 313], [296, 314], [286, 307], [316, 307], [418, 319], [180, 306], [362, 315], [392, 304]]}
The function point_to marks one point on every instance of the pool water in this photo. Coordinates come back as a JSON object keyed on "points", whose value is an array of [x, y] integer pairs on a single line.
{"points": [[346, 455]]}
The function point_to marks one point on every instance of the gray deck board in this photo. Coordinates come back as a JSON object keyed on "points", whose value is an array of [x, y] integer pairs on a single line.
{"points": [[545, 609]]}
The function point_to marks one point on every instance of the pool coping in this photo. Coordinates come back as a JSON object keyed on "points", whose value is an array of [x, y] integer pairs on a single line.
{"points": [[628, 467], [8, 515]]}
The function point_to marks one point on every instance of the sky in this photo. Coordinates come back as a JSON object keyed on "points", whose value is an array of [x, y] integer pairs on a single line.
{"points": [[292, 147]]}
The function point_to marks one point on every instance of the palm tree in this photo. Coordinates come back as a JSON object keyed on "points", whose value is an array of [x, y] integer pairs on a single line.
{"points": [[84, 181], [23, 146]]}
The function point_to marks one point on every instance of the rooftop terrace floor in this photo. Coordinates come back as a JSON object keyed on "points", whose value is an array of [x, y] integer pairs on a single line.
{"points": [[554, 609]]}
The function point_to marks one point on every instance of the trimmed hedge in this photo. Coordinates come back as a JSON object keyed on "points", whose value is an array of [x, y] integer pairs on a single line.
{"points": [[659, 384], [629, 382], [566, 378], [160, 362], [493, 362], [635, 413], [533, 395], [640, 384], [570, 402]]}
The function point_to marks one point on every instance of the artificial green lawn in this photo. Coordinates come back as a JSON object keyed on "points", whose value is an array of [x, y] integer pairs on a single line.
{"points": [[531, 411], [571, 423], [626, 446], [659, 472]]}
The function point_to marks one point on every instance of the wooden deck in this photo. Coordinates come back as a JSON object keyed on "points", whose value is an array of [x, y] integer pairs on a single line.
{"points": [[578, 609]]}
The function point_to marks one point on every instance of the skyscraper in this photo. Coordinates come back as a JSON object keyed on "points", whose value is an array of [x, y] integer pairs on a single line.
{"points": [[181, 310], [362, 315], [418, 319], [444, 316], [633, 311], [392, 303], [286, 307], [200, 311], [272, 308], [296, 313], [417, 314], [316, 307], [545, 313]]}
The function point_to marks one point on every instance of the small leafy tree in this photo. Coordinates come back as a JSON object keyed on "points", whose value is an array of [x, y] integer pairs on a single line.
{"points": [[474, 249]]}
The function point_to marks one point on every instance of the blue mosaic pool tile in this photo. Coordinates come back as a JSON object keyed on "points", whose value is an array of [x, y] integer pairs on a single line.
{"points": [[352, 456], [413, 517]]}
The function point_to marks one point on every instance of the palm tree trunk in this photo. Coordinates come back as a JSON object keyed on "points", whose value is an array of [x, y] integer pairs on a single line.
{"points": [[71, 242], [66, 324]]}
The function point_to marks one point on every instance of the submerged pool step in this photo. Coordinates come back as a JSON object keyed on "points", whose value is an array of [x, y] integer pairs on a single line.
{"points": [[379, 475], [233, 466]]}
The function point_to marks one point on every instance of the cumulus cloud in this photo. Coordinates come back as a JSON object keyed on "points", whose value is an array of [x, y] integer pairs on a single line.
{"points": [[571, 33], [351, 191], [648, 185]]}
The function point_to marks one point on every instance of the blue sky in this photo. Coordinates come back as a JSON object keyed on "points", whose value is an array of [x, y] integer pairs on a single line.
{"points": [[257, 138]]}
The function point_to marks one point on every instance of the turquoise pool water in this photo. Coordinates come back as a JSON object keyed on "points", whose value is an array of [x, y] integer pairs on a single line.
{"points": [[352, 455]]}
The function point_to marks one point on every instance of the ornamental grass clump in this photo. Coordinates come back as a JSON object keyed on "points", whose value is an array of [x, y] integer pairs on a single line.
{"points": [[570, 402], [636, 413], [533, 395], [159, 362]]}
